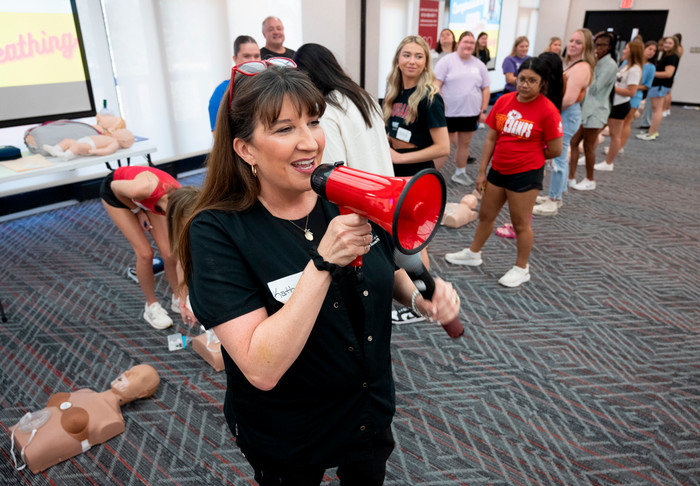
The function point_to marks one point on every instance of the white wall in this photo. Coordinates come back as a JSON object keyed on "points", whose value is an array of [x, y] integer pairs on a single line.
{"points": [[560, 18], [99, 65]]}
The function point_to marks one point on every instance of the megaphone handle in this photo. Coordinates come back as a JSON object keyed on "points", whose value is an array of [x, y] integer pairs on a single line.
{"points": [[357, 262], [426, 286]]}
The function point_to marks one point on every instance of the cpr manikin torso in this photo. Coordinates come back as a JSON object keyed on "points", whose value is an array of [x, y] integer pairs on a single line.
{"points": [[459, 214], [73, 422], [207, 345]]}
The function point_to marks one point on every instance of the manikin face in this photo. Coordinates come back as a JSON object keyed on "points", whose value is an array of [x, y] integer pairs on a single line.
{"points": [[575, 46], [555, 47], [247, 52], [466, 46], [137, 382], [521, 49], [273, 31], [287, 152], [411, 63], [650, 52], [528, 85]]}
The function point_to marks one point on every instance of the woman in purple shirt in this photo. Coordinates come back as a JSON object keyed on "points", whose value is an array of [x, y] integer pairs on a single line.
{"points": [[512, 63]]}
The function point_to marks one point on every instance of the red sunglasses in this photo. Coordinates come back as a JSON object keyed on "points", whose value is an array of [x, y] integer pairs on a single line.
{"points": [[251, 68]]}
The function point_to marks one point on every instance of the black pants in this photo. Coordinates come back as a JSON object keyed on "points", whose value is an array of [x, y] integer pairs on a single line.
{"points": [[366, 473]]}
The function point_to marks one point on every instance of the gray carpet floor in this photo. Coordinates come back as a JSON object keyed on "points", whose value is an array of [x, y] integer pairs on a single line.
{"points": [[588, 374]]}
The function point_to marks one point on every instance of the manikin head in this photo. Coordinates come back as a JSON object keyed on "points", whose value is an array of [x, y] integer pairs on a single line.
{"points": [[110, 123], [141, 381], [124, 137]]}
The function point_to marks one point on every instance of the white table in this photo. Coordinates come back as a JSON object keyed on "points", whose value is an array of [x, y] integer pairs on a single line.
{"points": [[79, 169]]}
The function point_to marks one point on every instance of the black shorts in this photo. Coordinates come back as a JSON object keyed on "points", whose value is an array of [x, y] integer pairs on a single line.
{"points": [[620, 112], [107, 195], [409, 170], [462, 123], [520, 182]]}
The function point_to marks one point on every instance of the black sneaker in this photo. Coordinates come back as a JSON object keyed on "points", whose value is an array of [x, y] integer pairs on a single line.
{"points": [[404, 315], [471, 160]]}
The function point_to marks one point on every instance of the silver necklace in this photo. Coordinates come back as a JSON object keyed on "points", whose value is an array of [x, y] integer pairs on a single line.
{"points": [[307, 232]]}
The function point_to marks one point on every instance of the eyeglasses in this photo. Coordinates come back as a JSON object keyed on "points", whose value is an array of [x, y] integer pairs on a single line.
{"points": [[251, 68]]}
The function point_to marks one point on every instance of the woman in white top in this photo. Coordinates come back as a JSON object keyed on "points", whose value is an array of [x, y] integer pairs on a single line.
{"points": [[353, 123], [628, 78]]}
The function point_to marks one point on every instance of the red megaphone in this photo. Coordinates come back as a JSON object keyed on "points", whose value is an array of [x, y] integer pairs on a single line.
{"points": [[408, 208]]}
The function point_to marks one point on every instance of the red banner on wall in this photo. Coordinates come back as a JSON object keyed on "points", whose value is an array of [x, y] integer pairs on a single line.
{"points": [[626, 3], [428, 15]]}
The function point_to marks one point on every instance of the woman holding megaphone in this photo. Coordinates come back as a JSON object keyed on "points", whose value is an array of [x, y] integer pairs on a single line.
{"points": [[306, 344]]}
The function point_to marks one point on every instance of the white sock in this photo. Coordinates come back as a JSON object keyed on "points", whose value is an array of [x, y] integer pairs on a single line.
{"points": [[460, 170]]}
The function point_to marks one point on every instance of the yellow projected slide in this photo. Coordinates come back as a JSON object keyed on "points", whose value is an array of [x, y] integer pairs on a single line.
{"points": [[38, 48]]}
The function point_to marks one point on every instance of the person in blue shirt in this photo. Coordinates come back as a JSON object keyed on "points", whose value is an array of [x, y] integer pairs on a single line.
{"points": [[244, 49]]}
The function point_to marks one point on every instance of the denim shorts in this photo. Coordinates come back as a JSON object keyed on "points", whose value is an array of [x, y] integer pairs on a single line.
{"points": [[658, 91]]}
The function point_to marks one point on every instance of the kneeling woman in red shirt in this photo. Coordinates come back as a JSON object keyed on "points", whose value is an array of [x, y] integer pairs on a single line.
{"points": [[525, 129], [136, 198]]}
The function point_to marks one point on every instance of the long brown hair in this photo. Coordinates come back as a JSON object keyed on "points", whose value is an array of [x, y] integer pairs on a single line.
{"points": [[636, 57], [674, 49], [230, 184], [181, 203]]}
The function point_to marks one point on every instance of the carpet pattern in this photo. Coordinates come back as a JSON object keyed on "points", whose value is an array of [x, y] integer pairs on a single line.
{"points": [[587, 374]]}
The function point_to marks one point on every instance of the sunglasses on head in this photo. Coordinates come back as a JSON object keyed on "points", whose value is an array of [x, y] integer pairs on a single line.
{"points": [[251, 68]]}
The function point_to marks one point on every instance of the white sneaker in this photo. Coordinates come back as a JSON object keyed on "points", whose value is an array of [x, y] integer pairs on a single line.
{"points": [[156, 316], [175, 304], [607, 149], [515, 276], [462, 178], [547, 208], [465, 257], [667, 113], [604, 167], [571, 183], [581, 160], [544, 199], [585, 185], [647, 136]]}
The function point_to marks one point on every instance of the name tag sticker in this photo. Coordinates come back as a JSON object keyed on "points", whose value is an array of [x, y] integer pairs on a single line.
{"points": [[403, 134], [281, 289]]}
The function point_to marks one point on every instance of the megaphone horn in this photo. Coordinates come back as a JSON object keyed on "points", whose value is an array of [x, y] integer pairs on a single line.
{"points": [[409, 209]]}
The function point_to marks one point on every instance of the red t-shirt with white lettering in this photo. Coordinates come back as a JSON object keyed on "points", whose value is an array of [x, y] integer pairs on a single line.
{"points": [[523, 129]]}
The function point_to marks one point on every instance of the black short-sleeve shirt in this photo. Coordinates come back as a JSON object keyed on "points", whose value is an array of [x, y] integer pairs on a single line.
{"points": [[670, 60], [340, 390], [430, 115], [266, 53]]}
